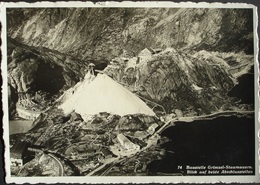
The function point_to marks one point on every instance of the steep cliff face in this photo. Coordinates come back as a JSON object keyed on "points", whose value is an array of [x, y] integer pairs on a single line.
{"points": [[104, 33], [41, 70]]}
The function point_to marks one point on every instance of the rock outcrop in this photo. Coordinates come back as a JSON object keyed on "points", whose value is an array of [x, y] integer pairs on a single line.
{"points": [[196, 81]]}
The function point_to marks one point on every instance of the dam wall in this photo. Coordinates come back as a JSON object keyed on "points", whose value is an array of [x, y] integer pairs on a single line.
{"points": [[27, 114]]}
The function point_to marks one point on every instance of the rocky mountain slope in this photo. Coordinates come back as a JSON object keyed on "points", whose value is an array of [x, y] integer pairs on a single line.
{"points": [[104, 33], [192, 82], [49, 49]]}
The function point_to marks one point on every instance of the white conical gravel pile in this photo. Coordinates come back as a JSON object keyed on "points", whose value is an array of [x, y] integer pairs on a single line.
{"points": [[103, 94], [72, 94]]}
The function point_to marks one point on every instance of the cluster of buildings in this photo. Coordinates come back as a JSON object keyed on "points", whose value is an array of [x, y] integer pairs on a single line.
{"points": [[125, 147], [127, 144], [29, 107], [145, 55], [22, 152]]}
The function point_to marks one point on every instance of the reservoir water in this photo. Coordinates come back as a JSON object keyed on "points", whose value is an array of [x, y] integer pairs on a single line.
{"points": [[19, 126], [244, 90], [218, 142], [221, 141]]}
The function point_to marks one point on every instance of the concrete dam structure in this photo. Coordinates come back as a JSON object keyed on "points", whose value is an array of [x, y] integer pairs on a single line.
{"points": [[27, 114]]}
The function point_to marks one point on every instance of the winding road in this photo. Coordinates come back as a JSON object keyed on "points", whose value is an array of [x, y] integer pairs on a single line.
{"points": [[61, 167], [205, 117]]}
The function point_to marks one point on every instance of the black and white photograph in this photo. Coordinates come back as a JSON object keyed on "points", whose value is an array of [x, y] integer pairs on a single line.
{"points": [[159, 92]]}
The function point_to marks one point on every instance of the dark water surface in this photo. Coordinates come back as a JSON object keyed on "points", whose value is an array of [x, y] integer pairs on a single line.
{"points": [[244, 90], [221, 141]]}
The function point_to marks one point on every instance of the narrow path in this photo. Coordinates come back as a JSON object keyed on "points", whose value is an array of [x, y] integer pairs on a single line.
{"points": [[102, 166], [151, 102], [227, 113], [147, 101]]}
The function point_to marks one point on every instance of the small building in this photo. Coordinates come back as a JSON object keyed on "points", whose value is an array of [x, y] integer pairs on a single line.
{"points": [[35, 149], [107, 153], [146, 52], [131, 64], [141, 134], [26, 113], [126, 143], [145, 55], [168, 117], [115, 61], [91, 67], [157, 50], [104, 114], [125, 59], [152, 128], [178, 113], [18, 154], [75, 117]]}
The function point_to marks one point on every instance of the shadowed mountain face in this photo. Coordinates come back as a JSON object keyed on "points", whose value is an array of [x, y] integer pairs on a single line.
{"points": [[40, 70], [49, 50], [35, 65], [104, 33]]}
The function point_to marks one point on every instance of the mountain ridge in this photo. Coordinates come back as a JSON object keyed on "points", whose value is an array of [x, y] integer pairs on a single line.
{"points": [[101, 33]]}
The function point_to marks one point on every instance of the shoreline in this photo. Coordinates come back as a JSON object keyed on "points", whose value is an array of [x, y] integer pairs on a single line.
{"points": [[211, 116]]}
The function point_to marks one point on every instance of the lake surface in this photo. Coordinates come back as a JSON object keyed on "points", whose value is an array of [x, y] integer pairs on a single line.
{"points": [[19, 126], [244, 90], [221, 141]]}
